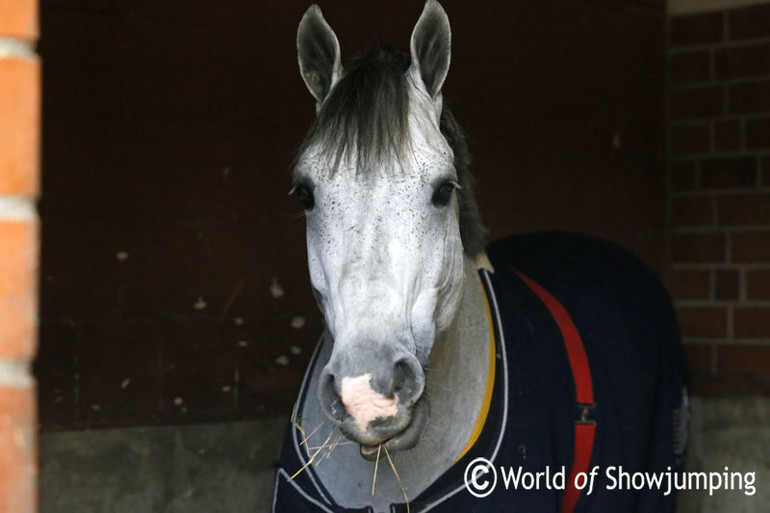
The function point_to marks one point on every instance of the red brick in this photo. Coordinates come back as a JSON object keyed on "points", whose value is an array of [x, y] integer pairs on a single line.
{"points": [[697, 103], [750, 97], [752, 322], [696, 29], [751, 247], [702, 322], [727, 135], [684, 175], [758, 284], [690, 67], [19, 128], [689, 139], [19, 19], [749, 22], [17, 450], [744, 359], [698, 248], [729, 173], [758, 133], [743, 61], [18, 288], [726, 284], [699, 357], [744, 209], [690, 284], [692, 211]]}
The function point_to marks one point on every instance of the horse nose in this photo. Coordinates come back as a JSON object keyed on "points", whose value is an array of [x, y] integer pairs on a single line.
{"points": [[373, 392]]}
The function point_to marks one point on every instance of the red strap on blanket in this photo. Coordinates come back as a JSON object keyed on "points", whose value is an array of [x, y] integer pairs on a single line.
{"points": [[584, 394], [584, 444]]}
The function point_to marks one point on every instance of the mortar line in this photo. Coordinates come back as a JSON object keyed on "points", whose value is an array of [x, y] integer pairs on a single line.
{"points": [[15, 373], [17, 208], [10, 47]]}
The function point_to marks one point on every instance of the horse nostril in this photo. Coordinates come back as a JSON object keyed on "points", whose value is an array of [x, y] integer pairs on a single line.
{"points": [[407, 381], [330, 398]]}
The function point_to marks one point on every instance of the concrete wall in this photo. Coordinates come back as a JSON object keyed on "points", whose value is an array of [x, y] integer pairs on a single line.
{"points": [[205, 468], [732, 433]]}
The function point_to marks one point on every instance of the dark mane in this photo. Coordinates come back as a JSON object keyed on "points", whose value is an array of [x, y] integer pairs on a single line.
{"points": [[472, 230], [368, 110]]}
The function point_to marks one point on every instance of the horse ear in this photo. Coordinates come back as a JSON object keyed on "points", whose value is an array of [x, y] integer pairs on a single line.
{"points": [[431, 48], [318, 52]]}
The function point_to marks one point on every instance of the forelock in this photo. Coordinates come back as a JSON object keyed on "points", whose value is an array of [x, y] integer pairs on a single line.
{"points": [[364, 121]]}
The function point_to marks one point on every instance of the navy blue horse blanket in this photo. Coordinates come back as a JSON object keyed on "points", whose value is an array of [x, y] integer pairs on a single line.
{"points": [[543, 286]]}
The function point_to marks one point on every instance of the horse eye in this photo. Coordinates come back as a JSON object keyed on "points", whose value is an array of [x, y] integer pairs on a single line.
{"points": [[305, 196], [443, 194]]}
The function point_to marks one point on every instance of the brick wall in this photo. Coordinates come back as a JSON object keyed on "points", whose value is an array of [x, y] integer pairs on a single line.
{"points": [[19, 128], [719, 183]]}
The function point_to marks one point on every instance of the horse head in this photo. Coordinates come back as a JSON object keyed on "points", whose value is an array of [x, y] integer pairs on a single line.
{"points": [[390, 220]]}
